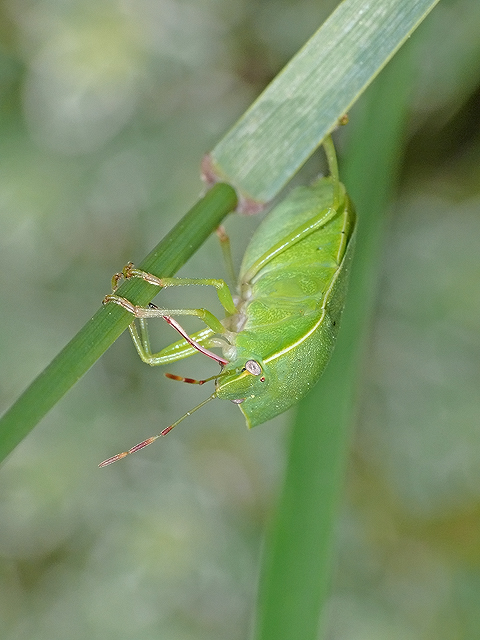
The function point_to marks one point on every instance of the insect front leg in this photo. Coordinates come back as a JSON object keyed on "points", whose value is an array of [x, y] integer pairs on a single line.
{"points": [[223, 292], [333, 168], [152, 311]]}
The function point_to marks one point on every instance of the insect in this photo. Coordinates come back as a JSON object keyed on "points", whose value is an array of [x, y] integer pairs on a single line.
{"points": [[279, 332]]}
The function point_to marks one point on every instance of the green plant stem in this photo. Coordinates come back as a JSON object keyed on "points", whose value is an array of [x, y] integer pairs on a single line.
{"points": [[298, 556], [111, 320]]}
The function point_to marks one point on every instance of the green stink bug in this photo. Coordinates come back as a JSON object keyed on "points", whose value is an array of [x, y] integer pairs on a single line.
{"points": [[279, 333]]}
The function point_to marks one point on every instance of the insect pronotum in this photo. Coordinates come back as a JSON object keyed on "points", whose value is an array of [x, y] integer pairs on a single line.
{"points": [[279, 331]]}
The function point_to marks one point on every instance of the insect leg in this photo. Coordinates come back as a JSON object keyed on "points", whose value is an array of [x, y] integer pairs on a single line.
{"points": [[174, 352], [227, 253], [223, 292], [152, 311], [333, 169], [183, 349]]}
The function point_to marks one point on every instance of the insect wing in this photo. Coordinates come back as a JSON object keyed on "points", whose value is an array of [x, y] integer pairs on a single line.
{"points": [[296, 299]]}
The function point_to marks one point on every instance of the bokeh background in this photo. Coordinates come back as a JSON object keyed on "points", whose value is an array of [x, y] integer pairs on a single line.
{"points": [[106, 108]]}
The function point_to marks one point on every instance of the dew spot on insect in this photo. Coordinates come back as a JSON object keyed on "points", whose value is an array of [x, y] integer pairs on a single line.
{"points": [[253, 367]]}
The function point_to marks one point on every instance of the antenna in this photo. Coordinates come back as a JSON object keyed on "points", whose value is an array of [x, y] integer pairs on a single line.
{"points": [[173, 376], [145, 443]]}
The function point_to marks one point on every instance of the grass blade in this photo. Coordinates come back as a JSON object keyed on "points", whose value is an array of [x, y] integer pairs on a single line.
{"points": [[302, 105]]}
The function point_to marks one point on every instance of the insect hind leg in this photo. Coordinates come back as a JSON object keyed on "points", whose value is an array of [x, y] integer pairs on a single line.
{"points": [[331, 156], [227, 253]]}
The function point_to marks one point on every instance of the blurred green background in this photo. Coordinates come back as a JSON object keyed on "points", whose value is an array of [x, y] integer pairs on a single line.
{"points": [[106, 108]]}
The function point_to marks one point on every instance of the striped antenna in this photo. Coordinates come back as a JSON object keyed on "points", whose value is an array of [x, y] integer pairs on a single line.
{"points": [[145, 443], [172, 376]]}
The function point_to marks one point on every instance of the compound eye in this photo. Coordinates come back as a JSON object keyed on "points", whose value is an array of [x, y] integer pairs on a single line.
{"points": [[253, 367]]}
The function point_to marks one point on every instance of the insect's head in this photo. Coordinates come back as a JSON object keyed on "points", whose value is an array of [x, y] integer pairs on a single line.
{"points": [[241, 380]]}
